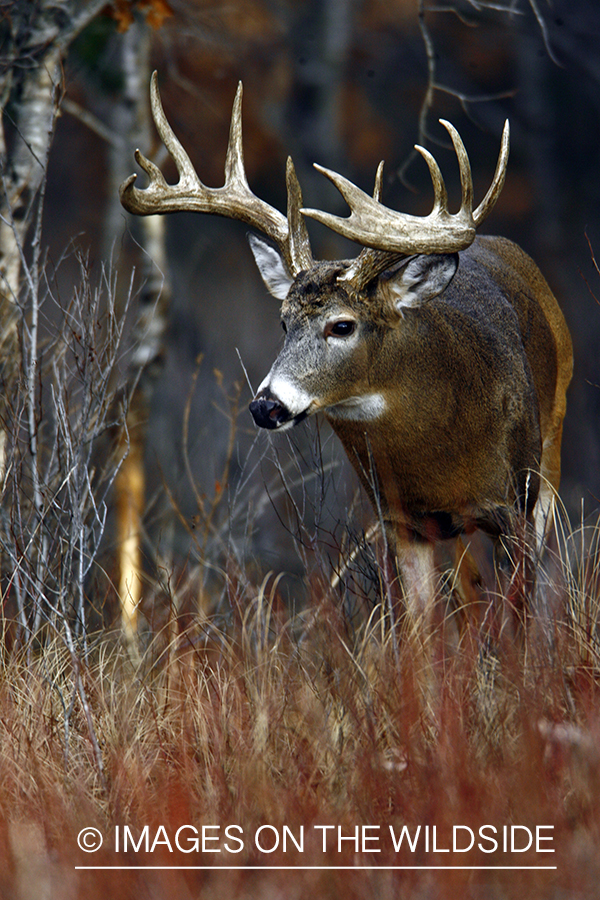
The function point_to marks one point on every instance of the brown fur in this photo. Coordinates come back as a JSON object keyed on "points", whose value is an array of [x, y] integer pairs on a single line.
{"points": [[475, 388]]}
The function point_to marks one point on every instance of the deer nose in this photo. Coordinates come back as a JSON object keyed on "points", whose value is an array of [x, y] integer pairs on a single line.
{"points": [[267, 412]]}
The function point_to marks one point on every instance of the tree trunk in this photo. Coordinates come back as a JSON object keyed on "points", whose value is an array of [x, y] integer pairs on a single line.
{"points": [[130, 119], [35, 39]]}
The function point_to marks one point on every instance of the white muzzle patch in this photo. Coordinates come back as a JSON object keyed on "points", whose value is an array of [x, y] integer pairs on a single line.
{"points": [[295, 400]]}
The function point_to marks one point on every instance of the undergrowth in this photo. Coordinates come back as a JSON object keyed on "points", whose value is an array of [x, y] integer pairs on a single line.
{"points": [[271, 726]]}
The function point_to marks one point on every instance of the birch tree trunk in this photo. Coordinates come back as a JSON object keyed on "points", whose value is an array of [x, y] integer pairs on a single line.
{"points": [[131, 125], [35, 38]]}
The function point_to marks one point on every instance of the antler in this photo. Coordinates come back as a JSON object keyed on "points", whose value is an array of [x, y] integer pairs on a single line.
{"points": [[234, 200], [374, 225]]}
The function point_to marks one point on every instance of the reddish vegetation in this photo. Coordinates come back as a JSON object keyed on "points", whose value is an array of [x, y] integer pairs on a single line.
{"points": [[312, 726]]}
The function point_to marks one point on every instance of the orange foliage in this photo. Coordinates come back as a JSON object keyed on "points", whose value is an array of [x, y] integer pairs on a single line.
{"points": [[156, 11]]}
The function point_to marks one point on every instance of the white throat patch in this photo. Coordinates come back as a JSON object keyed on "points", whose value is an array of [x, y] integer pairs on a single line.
{"points": [[359, 409]]}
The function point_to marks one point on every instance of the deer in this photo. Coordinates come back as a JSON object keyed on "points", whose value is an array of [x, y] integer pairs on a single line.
{"points": [[440, 358]]}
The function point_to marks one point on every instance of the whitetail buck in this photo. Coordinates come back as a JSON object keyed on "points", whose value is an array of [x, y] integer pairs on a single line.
{"points": [[441, 359]]}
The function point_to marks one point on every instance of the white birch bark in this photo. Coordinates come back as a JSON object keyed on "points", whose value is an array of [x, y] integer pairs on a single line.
{"points": [[36, 37], [131, 125]]}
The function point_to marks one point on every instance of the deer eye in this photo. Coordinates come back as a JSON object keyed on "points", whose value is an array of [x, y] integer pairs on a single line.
{"points": [[284, 326], [343, 328]]}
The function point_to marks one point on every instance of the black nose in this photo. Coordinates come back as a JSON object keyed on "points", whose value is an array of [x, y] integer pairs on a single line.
{"points": [[268, 413]]}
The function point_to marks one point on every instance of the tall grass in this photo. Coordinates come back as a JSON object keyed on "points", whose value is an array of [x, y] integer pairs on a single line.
{"points": [[259, 718]]}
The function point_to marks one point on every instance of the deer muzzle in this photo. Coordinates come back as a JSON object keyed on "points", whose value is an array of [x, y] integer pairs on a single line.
{"points": [[268, 412]]}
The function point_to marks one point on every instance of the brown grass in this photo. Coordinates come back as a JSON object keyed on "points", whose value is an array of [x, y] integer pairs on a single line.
{"points": [[305, 722]]}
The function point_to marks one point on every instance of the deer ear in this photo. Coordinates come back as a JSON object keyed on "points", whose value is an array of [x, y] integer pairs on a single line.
{"points": [[271, 266], [420, 279]]}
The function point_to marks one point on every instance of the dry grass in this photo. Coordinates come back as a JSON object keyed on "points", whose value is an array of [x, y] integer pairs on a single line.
{"points": [[305, 723]]}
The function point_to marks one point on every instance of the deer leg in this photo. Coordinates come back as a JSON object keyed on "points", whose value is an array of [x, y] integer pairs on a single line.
{"points": [[549, 484], [419, 578], [415, 561], [544, 514], [516, 565]]}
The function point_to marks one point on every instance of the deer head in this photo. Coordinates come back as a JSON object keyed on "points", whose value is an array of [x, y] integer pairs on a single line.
{"points": [[405, 259]]}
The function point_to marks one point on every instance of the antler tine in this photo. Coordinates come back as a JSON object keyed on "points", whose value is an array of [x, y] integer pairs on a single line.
{"points": [[364, 223], [440, 194], [299, 244], [235, 170], [246, 205], [145, 201], [464, 167], [187, 174], [489, 201], [378, 188], [234, 200]]}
